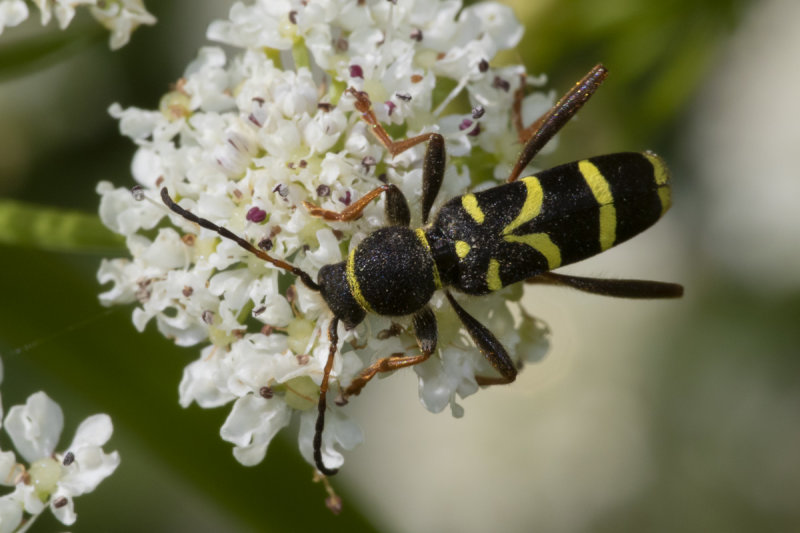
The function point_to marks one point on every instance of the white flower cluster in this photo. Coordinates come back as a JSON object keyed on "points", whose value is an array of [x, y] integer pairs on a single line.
{"points": [[51, 479], [244, 140], [121, 17]]}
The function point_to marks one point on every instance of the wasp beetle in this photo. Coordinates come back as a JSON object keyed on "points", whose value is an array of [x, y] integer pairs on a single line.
{"points": [[480, 242]]}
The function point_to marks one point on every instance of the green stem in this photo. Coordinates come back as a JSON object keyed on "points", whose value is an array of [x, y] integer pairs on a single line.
{"points": [[54, 229]]}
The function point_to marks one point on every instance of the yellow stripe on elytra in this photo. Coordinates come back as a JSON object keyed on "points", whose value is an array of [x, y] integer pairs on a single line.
{"points": [[493, 276], [661, 177], [602, 193], [470, 204], [352, 281], [608, 226], [534, 195], [665, 196], [542, 243], [660, 172], [424, 240], [462, 249]]}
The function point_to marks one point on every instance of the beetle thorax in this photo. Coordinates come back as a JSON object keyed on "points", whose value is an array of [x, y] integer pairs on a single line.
{"points": [[391, 272]]}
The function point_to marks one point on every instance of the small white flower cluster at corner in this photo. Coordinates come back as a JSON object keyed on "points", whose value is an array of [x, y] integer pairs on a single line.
{"points": [[243, 140], [121, 17], [50, 479]]}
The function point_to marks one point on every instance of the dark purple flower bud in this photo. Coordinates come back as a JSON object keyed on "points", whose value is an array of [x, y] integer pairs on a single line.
{"points": [[500, 83], [256, 214], [356, 71]]}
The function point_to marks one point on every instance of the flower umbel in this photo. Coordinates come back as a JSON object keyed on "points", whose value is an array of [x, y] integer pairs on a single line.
{"points": [[119, 16], [51, 479], [244, 140]]}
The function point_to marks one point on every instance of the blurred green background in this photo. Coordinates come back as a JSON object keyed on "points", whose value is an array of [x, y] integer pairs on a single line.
{"points": [[654, 416]]}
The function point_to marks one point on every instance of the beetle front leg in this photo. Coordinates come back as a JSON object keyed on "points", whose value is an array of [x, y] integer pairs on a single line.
{"points": [[364, 106], [397, 213], [433, 166], [425, 330]]}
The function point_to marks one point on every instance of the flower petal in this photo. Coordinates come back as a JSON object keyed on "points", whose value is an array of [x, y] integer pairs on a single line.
{"points": [[252, 424], [94, 431], [35, 427], [63, 507], [339, 429], [11, 507], [9, 469]]}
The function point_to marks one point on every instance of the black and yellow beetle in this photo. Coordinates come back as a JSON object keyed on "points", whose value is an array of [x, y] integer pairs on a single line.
{"points": [[481, 242]]}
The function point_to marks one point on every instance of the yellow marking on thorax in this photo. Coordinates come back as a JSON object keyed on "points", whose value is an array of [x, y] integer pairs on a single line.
{"points": [[424, 240], [602, 193], [542, 243], [661, 176], [462, 249], [493, 276], [534, 195], [352, 281], [470, 204]]}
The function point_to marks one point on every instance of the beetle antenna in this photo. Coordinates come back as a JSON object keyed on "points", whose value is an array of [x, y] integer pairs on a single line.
{"points": [[304, 277]]}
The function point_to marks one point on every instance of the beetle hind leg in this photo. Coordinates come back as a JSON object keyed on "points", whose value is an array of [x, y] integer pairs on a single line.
{"points": [[618, 288], [545, 127]]}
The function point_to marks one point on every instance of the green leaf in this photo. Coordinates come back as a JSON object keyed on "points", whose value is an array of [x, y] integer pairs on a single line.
{"points": [[26, 55], [176, 473], [54, 229]]}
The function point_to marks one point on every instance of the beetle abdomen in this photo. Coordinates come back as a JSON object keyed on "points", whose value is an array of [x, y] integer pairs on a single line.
{"points": [[562, 215]]}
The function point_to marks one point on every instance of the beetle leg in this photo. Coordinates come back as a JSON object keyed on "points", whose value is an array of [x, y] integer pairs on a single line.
{"points": [[425, 330], [333, 338], [433, 167], [487, 343], [364, 106], [396, 208], [544, 128], [523, 133], [618, 288]]}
